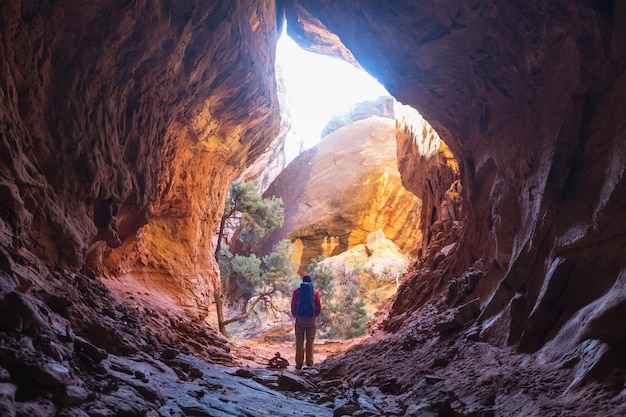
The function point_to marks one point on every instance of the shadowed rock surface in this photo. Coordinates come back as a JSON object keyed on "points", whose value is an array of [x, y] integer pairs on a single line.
{"points": [[530, 99], [123, 123]]}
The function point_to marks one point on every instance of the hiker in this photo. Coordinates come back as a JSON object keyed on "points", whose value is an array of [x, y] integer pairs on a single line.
{"points": [[305, 307]]}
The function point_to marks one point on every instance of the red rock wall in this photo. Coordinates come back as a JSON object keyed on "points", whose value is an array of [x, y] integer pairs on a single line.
{"points": [[429, 170], [530, 97], [114, 115], [122, 126]]}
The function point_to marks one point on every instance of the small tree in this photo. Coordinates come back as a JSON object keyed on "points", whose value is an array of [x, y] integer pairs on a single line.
{"points": [[343, 314], [260, 281], [247, 214], [280, 271], [325, 284], [245, 275], [352, 309], [248, 217]]}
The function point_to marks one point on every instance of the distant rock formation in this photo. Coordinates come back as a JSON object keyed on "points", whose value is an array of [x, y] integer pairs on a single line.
{"points": [[376, 267], [383, 106], [342, 190], [377, 254]]}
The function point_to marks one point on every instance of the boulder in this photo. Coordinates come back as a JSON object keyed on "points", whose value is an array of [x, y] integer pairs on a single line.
{"points": [[344, 189]]}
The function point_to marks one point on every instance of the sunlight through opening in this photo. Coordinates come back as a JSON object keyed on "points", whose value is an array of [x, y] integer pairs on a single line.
{"points": [[318, 87]]}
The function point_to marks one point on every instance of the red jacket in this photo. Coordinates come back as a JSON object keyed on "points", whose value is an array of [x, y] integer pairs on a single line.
{"points": [[294, 301]]}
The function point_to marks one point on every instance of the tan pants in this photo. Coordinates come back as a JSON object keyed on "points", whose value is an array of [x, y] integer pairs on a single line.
{"points": [[305, 330]]}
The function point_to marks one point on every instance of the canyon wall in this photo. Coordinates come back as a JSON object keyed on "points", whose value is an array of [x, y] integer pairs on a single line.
{"points": [[122, 126], [531, 99], [429, 170]]}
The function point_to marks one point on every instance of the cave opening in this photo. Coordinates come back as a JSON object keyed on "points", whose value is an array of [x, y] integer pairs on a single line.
{"points": [[336, 111], [122, 125], [316, 89]]}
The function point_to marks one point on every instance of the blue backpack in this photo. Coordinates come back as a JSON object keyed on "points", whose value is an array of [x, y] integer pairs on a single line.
{"points": [[306, 300]]}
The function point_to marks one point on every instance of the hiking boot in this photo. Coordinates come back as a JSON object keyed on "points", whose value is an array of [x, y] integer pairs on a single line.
{"points": [[298, 366]]}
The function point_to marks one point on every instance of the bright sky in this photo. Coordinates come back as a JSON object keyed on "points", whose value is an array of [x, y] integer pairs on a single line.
{"points": [[318, 87]]}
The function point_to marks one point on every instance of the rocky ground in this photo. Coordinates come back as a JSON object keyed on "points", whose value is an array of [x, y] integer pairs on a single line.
{"points": [[432, 368], [136, 355]]}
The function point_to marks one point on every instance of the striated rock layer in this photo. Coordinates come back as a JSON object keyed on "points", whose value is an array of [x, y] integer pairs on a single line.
{"points": [[122, 125], [531, 99]]}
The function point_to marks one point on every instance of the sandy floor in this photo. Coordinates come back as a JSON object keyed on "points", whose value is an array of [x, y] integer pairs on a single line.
{"points": [[257, 353]]}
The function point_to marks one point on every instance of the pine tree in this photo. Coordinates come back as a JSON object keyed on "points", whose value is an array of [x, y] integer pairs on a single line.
{"points": [[248, 217]]}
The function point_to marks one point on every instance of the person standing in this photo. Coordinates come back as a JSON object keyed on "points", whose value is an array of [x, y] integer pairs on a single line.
{"points": [[305, 307]]}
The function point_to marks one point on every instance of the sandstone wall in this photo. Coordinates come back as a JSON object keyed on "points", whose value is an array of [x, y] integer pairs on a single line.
{"points": [[345, 188], [530, 99], [122, 126], [429, 170]]}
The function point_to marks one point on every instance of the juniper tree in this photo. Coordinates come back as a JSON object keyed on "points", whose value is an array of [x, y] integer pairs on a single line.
{"points": [[246, 278]]}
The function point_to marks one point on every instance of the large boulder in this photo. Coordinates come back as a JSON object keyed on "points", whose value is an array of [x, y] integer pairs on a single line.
{"points": [[377, 255], [342, 190]]}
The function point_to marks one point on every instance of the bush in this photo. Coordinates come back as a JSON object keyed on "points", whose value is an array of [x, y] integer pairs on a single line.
{"points": [[343, 315], [350, 317], [323, 281]]}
